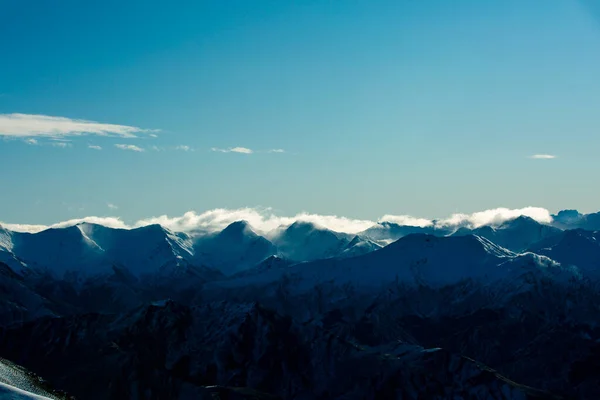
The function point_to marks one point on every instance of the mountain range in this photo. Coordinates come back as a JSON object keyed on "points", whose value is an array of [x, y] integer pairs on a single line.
{"points": [[438, 311], [91, 249]]}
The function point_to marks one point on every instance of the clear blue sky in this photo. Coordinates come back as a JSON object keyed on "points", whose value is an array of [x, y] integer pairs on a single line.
{"points": [[382, 107]]}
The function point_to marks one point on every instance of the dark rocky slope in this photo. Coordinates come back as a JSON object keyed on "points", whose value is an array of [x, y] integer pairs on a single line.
{"points": [[174, 351]]}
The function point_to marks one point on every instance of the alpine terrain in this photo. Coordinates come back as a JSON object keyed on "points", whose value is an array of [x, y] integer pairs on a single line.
{"points": [[504, 310]]}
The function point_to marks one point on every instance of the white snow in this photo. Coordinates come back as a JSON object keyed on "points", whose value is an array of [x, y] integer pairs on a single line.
{"points": [[359, 246], [304, 241], [575, 247], [236, 248], [59, 250], [90, 249], [415, 259], [8, 392], [16, 385], [142, 250], [517, 234], [6, 243]]}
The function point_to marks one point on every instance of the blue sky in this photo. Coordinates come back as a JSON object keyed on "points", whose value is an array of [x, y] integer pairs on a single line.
{"points": [[380, 107]]}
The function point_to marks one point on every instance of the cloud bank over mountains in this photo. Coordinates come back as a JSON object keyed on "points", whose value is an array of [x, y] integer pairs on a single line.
{"points": [[264, 220]]}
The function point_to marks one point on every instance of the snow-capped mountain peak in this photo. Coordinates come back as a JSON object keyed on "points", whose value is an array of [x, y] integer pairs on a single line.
{"points": [[576, 247], [573, 219], [521, 221], [358, 246], [420, 259], [305, 241], [239, 230], [385, 232], [356, 240], [516, 235], [234, 249], [91, 249]]}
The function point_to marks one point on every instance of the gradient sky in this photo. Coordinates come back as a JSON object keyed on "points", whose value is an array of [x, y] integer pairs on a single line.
{"points": [[381, 107]]}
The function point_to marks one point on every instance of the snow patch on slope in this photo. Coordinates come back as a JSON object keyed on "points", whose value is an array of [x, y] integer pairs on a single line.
{"points": [[17, 384], [304, 241], [234, 249], [6, 242], [415, 259]]}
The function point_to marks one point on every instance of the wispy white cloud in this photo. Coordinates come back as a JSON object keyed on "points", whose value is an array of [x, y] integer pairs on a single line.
{"points": [[243, 150], [154, 135], [112, 206], [265, 221], [543, 156], [130, 147], [183, 148], [31, 141], [62, 144], [29, 125], [95, 147]]}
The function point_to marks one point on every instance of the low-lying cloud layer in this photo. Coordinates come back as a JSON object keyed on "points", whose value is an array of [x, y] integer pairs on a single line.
{"points": [[496, 216], [111, 222], [265, 220]]}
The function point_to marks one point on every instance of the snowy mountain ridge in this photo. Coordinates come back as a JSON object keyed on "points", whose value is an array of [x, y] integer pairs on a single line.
{"points": [[417, 259], [171, 314], [92, 249]]}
